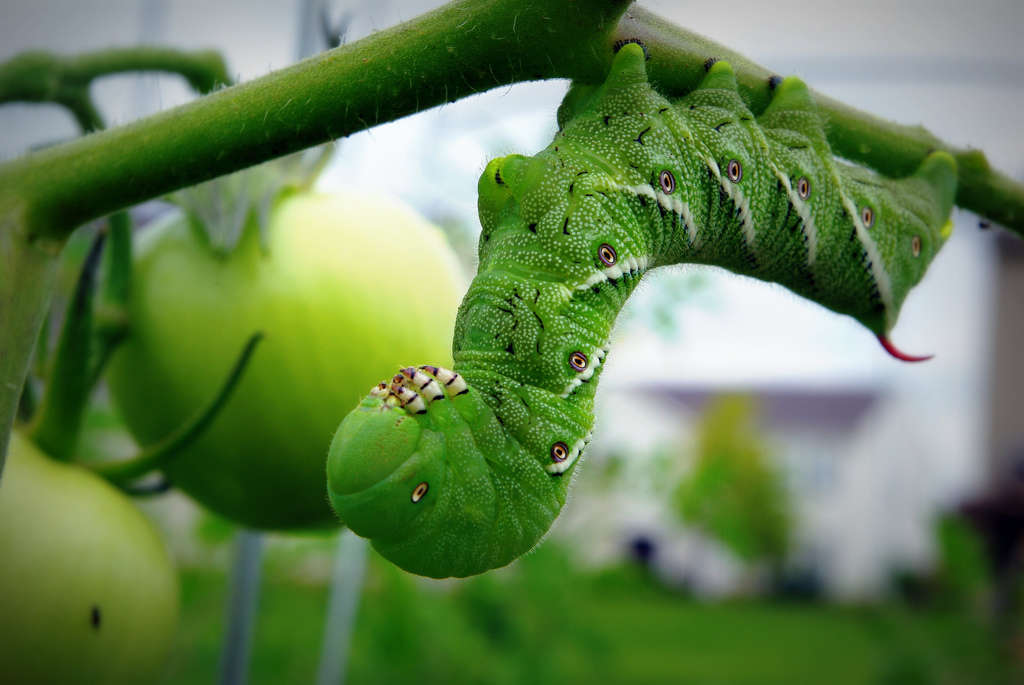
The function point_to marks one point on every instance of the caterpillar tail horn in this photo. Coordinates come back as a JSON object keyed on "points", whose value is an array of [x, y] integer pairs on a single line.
{"points": [[902, 356]]}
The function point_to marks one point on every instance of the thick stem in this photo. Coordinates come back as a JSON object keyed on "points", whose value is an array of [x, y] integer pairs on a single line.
{"points": [[27, 274], [462, 48], [46, 77], [57, 425]]}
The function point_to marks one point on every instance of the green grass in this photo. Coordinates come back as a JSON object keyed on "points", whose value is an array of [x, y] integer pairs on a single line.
{"points": [[542, 623]]}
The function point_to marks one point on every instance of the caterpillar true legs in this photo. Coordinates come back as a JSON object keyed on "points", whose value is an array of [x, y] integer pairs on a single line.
{"points": [[456, 472]]}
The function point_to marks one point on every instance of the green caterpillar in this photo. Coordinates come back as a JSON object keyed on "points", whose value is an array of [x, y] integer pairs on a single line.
{"points": [[454, 472]]}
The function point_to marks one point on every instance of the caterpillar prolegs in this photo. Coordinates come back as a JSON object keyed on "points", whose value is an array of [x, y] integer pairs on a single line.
{"points": [[454, 472]]}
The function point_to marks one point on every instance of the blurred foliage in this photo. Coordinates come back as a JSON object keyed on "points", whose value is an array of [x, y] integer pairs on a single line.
{"points": [[962, 577], [963, 572], [734, 493], [462, 235], [544, 621], [213, 529]]}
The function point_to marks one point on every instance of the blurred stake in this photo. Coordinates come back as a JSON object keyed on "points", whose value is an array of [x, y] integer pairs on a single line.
{"points": [[241, 608], [346, 586]]}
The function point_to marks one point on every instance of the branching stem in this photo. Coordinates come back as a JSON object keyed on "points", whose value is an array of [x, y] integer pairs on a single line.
{"points": [[47, 77]]}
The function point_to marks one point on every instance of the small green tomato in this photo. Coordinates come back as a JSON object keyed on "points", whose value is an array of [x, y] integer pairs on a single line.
{"points": [[349, 289], [87, 590]]}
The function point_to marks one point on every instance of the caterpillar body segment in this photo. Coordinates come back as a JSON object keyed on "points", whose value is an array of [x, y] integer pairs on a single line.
{"points": [[454, 472]]}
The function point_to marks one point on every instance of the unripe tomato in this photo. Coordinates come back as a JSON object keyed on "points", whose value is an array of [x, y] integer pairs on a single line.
{"points": [[348, 290], [87, 591]]}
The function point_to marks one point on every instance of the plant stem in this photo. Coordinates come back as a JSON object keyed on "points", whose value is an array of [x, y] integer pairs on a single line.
{"points": [[155, 456], [462, 48], [27, 273], [110, 317], [46, 77], [57, 425]]}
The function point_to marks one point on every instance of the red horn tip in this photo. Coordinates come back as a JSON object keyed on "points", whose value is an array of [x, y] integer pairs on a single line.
{"points": [[902, 356]]}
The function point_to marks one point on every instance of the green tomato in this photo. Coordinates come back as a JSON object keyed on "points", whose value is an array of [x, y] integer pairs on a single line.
{"points": [[349, 290], [87, 591]]}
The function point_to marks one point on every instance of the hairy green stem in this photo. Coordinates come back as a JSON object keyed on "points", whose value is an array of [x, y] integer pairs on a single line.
{"points": [[461, 48], [65, 80], [56, 427], [27, 273], [111, 322], [158, 455]]}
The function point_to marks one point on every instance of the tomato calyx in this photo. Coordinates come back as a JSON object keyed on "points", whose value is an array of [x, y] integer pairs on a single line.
{"points": [[222, 210]]}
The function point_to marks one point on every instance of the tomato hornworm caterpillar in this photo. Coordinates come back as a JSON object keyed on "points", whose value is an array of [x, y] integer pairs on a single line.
{"points": [[454, 472]]}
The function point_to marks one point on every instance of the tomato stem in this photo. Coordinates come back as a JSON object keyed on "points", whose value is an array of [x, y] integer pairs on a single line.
{"points": [[56, 426], [158, 455], [111, 319], [65, 80]]}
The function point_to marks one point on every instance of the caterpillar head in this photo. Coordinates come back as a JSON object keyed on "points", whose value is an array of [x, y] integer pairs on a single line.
{"points": [[380, 469], [418, 469]]}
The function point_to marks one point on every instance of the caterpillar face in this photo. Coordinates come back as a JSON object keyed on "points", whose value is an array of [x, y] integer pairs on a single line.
{"points": [[456, 472]]}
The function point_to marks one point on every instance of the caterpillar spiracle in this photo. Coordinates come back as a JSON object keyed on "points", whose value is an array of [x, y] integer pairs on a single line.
{"points": [[454, 472]]}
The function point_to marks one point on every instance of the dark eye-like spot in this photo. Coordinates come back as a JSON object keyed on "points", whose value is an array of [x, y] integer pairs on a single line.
{"points": [[803, 188], [497, 177], [578, 361], [734, 170], [606, 253], [419, 492], [559, 452], [667, 182], [915, 246], [94, 617], [867, 217]]}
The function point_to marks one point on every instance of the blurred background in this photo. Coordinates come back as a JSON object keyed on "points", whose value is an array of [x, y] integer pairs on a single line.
{"points": [[769, 497]]}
